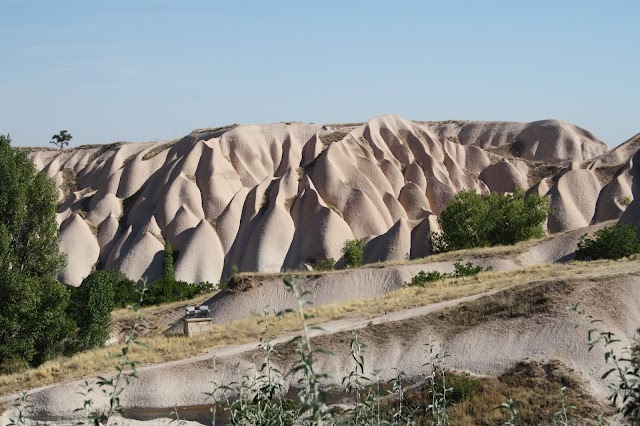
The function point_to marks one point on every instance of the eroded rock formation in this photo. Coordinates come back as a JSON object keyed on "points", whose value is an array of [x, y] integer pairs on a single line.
{"points": [[273, 197]]}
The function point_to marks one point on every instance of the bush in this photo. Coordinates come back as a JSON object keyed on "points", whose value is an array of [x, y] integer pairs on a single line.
{"points": [[125, 291], [325, 265], [468, 269], [459, 270], [472, 220], [353, 252], [614, 242], [427, 277], [167, 262], [462, 388], [166, 290], [91, 306]]}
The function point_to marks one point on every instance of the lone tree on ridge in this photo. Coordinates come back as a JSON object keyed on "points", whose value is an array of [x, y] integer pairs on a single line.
{"points": [[61, 139]]}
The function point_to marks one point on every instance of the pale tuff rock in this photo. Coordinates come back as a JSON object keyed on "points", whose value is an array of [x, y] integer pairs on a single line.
{"points": [[143, 258], [395, 244], [320, 232], [621, 190], [108, 233], [79, 244], [108, 205], [275, 197], [573, 200], [177, 230], [503, 177], [202, 257]]}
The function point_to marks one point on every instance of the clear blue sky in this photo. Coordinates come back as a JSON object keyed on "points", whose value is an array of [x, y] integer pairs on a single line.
{"points": [[139, 70]]}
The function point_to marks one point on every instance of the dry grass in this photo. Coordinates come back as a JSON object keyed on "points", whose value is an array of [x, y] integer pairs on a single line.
{"points": [[354, 124], [606, 173], [69, 181], [443, 122], [329, 138], [537, 386], [162, 348], [539, 171], [222, 129], [520, 301], [158, 149], [101, 149], [508, 252]]}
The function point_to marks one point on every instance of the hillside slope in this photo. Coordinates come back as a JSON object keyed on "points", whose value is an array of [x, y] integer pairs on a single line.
{"points": [[274, 197], [485, 334]]}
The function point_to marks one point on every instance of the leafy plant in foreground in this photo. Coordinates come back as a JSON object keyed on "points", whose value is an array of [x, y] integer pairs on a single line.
{"points": [[625, 390], [21, 406], [437, 385], [355, 382], [313, 408], [126, 371], [511, 406], [563, 417]]}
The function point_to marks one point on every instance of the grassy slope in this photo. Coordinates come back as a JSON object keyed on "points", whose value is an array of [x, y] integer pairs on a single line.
{"points": [[161, 348]]}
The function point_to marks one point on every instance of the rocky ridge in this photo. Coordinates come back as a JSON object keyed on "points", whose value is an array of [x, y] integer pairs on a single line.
{"points": [[275, 197]]}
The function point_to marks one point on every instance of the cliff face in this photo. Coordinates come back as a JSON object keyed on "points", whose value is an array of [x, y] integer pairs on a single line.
{"points": [[273, 197]]}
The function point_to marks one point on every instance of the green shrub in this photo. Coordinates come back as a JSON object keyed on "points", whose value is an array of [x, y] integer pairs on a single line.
{"points": [[427, 277], [167, 262], [166, 290], [125, 291], [472, 220], [463, 223], [461, 388], [614, 242], [459, 270], [353, 252], [468, 269], [325, 265]]}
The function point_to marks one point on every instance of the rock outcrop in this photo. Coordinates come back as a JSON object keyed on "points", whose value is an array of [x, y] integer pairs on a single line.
{"points": [[274, 197]]}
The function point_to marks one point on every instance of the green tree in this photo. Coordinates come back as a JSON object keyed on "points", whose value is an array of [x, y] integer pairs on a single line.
{"points": [[614, 242], [91, 306], [167, 290], [33, 321], [516, 217], [167, 262], [473, 220], [353, 252], [463, 223], [61, 139]]}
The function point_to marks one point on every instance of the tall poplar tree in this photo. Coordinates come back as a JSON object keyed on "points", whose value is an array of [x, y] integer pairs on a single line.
{"points": [[33, 323]]}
